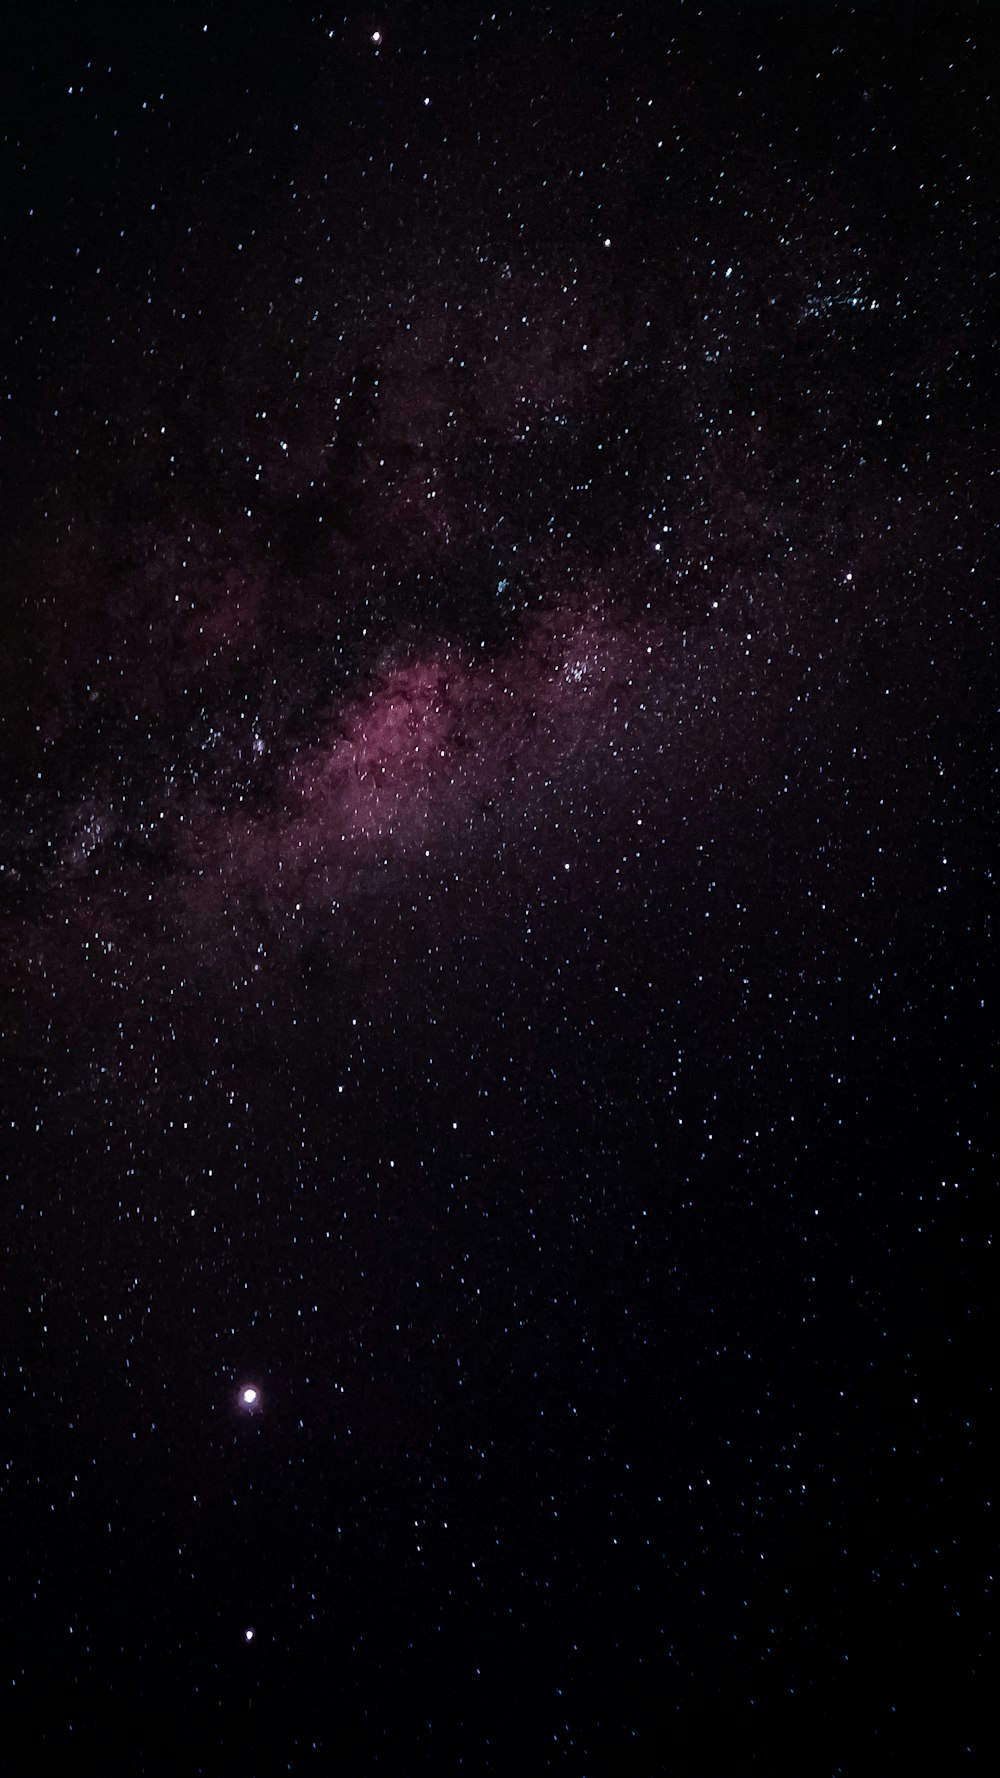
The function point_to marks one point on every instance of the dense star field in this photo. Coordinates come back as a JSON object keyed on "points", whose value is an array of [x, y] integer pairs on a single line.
{"points": [[495, 675]]}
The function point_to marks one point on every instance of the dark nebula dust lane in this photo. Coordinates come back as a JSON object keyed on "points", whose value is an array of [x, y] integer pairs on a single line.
{"points": [[496, 627]]}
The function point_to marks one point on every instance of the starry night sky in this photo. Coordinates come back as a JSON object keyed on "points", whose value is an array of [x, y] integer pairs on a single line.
{"points": [[495, 677]]}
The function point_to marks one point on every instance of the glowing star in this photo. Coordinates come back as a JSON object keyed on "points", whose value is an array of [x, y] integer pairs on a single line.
{"points": [[248, 1635], [249, 1396], [376, 38]]}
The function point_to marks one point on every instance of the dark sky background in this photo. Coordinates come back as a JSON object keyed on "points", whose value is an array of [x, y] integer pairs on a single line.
{"points": [[495, 675]]}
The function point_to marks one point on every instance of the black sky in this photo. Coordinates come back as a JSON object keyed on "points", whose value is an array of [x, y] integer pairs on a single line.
{"points": [[495, 677]]}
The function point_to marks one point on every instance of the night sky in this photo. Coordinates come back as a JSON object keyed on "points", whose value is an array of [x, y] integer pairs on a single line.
{"points": [[495, 854]]}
